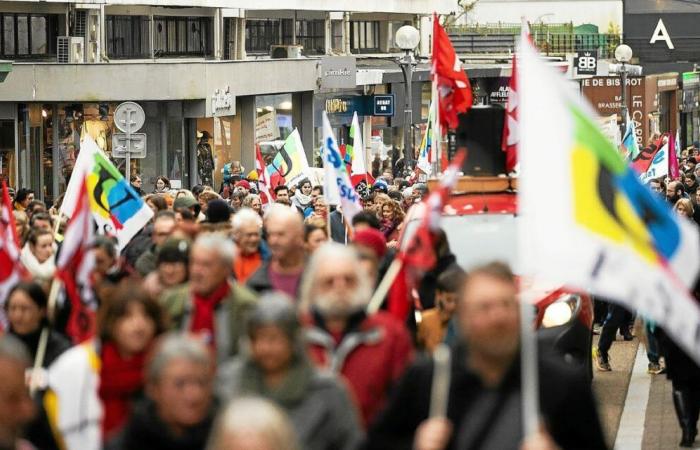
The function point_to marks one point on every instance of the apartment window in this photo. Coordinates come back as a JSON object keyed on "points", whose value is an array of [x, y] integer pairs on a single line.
{"points": [[28, 35], [337, 35], [364, 36], [182, 36], [261, 34], [311, 35], [128, 37]]}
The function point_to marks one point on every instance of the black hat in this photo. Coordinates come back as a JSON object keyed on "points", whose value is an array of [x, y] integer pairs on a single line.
{"points": [[174, 250], [218, 211]]}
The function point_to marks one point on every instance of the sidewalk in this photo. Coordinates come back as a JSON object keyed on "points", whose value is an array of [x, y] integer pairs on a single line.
{"points": [[661, 429]]}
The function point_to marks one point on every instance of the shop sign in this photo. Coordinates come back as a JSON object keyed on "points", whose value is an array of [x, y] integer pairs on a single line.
{"points": [[339, 105], [338, 72], [663, 37], [498, 92], [691, 79], [266, 127], [605, 93], [222, 102], [384, 105], [586, 63]]}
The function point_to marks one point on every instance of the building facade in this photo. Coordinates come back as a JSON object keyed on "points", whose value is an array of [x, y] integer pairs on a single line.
{"points": [[221, 71]]}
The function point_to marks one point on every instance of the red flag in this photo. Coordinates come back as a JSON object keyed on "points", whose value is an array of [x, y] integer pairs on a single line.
{"points": [[511, 135], [642, 162], [74, 268], [454, 90], [417, 252], [263, 180], [11, 269]]}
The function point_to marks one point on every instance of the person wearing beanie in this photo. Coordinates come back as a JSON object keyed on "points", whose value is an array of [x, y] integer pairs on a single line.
{"points": [[243, 186], [371, 247], [277, 369], [164, 225], [172, 261], [218, 211]]}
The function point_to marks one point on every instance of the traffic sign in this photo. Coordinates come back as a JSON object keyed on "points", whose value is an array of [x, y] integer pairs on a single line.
{"points": [[129, 117], [131, 145]]}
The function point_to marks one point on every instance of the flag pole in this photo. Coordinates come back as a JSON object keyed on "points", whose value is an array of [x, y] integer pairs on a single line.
{"points": [[378, 297], [437, 139]]}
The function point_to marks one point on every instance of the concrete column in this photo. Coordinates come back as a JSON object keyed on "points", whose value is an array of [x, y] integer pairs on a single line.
{"points": [[303, 119], [218, 34], [367, 141], [240, 39], [246, 111], [346, 33], [328, 34], [385, 30]]}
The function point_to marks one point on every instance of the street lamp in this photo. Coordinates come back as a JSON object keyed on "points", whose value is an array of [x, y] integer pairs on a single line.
{"points": [[407, 39], [623, 55]]}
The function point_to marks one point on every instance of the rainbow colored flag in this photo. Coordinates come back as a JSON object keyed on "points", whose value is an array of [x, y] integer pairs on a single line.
{"points": [[118, 210], [586, 219], [426, 145]]}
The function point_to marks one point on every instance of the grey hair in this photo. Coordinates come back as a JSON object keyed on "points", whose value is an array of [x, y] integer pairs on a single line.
{"points": [[219, 243], [244, 217], [176, 346], [13, 348], [248, 200], [254, 415], [330, 253]]}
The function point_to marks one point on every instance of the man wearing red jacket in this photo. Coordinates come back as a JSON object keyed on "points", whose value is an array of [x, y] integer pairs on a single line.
{"points": [[370, 352]]}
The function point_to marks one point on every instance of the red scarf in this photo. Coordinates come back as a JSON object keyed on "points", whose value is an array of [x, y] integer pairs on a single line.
{"points": [[120, 379], [203, 314]]}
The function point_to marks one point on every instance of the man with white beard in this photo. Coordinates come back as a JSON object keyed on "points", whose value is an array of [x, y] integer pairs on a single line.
{"points": [[370, 352]]}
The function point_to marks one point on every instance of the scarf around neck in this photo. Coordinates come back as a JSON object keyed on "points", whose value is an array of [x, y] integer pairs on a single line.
{"points": [[203, 311], [303, 200], [43, 270]]}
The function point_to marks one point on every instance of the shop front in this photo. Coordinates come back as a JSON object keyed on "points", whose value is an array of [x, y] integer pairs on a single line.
{"points": [[690, 108], [48, 139], [651, 101]]}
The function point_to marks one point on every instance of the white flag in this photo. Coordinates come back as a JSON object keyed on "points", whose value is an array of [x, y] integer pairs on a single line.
{"points": [[336, 174]]}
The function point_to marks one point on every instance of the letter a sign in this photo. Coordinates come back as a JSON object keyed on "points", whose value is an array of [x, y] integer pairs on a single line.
{"points": [[661, 34]]}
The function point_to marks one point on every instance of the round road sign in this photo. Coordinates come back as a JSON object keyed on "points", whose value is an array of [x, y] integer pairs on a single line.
{"points": [[129, 117]]}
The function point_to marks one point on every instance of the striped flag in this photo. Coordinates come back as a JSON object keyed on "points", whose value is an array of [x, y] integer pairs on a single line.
{"points": [[11, 269]]}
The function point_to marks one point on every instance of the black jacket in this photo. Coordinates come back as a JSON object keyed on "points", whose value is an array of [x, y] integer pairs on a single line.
{"points": [[491, 418], [145, 430], [338, 231]]}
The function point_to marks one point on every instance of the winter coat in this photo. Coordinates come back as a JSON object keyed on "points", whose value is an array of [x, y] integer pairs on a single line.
{"points": [[319, 407], [491, 418], [426, 289], [229, 315], [145, 430], [260, 281], [371, 355], [139, 244], [146, 263]]}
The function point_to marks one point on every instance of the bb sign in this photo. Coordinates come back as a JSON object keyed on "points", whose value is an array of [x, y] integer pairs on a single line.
{"points": [[586, 63]]}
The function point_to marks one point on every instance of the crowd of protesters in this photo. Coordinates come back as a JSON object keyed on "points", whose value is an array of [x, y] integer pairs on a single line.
{"points": [[229, 322]]}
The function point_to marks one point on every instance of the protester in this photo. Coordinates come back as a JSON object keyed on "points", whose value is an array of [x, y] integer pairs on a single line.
{"points": [[204, 198], [277, 368], [485, 406], [253, 423], [210, 305], [26, 308], [284, 229], [163, 226], [172, 259], [684, 208], [16, 406], [38, 255], [371, 248], [162, 185], [22, 199], [370, 352], [107, 373], [674, 192], [237, 200], [391, 220], [156, 202], [302, 197], [690, 183], [433, 327], [41, 221], [320, 209], [21, 226], [365, 219], [187, 202], [136, 184], [253, 202], [315, 234], [34, 207], [282, 195], [617, 318], [178, 411], [445, 260], [251, 250]]}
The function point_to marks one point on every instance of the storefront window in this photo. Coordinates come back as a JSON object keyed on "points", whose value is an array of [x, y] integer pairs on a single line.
{"points": [[7, 151], [273, 117]]}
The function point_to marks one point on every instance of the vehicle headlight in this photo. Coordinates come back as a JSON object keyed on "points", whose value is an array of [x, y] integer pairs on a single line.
{"points": [[561, 311]]}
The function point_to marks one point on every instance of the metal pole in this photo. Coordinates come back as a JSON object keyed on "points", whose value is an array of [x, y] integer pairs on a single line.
{"points": [[407, 68], [623, 109], [529, 366]]}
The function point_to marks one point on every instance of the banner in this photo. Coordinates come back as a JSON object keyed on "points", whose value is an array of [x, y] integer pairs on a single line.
{"points": [[600, 230], [426, 145], [659, 165], [335, 173], [118, 210]]}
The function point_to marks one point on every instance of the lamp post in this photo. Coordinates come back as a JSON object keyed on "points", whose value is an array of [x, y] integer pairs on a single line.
{"points": [[407, 39], [623, 55]]}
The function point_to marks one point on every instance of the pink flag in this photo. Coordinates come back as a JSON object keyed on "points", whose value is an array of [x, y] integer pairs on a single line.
{"points": [[11, 269], [263, 179], [673, 170]]}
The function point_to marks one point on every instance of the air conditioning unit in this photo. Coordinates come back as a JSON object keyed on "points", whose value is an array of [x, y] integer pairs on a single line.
{"points": [[285, 51], [70, 49]]}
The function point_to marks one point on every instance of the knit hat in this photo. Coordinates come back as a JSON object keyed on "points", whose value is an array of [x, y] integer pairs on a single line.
{"points": [[244, 184], [275, 308], [380, 185], [218, 211], [184, 201], [173, 250], [252, 175], [373, 239]]}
